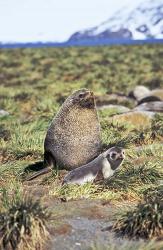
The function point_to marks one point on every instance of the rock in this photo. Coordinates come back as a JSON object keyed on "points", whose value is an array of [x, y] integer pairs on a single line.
{"points": [[3, 113], [149, 98], [158, 93], [135, 118], [119, 108], [139, 92], [142, 92], [116, 99], [150, 106]]}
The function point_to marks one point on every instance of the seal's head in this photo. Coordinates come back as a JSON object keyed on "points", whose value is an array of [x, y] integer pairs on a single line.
{"points": [[115, 156], [83, 98]]}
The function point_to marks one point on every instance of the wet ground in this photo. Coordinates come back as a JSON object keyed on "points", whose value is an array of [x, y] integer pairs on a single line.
{"points": [[78, 224]]}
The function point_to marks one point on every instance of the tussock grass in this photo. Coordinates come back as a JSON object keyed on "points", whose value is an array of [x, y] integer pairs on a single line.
{"points": [[154, 192], [152, 150], [13, 169], [136, 119], [146, 221], [73, 191], [156, 125], [25, 139], [87, 191], [132, 177], [151, 245], [23, 225], [114, 133], [10, 193]]}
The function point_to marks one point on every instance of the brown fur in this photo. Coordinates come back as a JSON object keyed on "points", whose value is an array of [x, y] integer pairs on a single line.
{"points": [[73, 138]]}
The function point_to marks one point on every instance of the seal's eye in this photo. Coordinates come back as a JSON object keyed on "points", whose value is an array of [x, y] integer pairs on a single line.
{"points": [[81, 95]]}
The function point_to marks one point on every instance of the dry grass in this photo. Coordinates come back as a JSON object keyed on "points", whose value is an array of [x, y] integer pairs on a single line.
{"points": [[146, 221], [23, 225]]}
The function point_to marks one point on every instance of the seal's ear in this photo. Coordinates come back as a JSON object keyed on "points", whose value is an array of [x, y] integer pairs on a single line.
{"points": [[75, 100]]}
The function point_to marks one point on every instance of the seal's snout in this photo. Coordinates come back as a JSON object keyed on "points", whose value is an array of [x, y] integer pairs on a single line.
{"points": [[88, 99], [92, 97], [122, 156], [91, 93]]}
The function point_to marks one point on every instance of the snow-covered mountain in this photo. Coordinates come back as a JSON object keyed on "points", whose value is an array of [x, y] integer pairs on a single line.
{"points": [[143, 22]]}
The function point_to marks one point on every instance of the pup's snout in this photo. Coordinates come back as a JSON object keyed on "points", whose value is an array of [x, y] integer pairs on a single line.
{"points": [[122, 156]]}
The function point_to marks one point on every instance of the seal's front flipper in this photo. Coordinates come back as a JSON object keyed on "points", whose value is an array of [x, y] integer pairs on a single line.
{"points": [[49, 163], [41, 172], [49, 160]]}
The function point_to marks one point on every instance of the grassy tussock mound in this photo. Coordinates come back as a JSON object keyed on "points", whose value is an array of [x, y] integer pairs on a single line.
{"points": [[23, 225], [146, 221]]}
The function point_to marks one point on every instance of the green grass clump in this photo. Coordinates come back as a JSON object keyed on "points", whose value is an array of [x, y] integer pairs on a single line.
{"points": [[134, 177], [86, 191], [156, 126], [149, 245], [73, 191], [23, 225], [154, 192], [146, 221]]}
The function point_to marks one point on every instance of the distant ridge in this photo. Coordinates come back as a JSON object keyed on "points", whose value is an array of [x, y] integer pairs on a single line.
{"points": [[94, 42], [141, 23]]}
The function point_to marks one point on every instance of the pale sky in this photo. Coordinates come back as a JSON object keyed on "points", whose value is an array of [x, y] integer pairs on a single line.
{"points": [[53, 20]]}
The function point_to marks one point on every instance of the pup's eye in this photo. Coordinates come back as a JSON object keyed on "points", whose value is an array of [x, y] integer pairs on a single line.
{"points": [[113, 156]]}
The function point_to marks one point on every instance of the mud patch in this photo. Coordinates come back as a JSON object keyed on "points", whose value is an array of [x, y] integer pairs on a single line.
{"points": [[61, 230], [95, 212]]}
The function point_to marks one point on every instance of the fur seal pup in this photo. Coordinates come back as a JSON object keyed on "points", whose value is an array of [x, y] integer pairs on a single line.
{"points": [[101, 167], [74, 136]]}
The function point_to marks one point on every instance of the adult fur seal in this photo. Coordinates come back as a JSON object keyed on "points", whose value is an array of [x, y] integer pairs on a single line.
{"points": [[101, 167], [74, 137]]}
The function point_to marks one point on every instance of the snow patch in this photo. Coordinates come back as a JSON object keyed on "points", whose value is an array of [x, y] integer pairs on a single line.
{"points": [[144, 21]]}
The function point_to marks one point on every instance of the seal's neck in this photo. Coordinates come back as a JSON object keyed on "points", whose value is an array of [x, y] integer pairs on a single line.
{"points": [[106, 169]]}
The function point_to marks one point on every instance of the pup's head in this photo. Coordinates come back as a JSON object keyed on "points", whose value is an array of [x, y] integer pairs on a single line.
{"points": [[83, 98], [115, 156]]}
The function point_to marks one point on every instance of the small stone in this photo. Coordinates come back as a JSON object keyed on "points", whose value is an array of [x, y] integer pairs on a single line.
{"points": [[114, 99], [150, 98], [78, 244], [3, 113], [120, 108], [158, 93], [156, 106], [139, 92]]}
